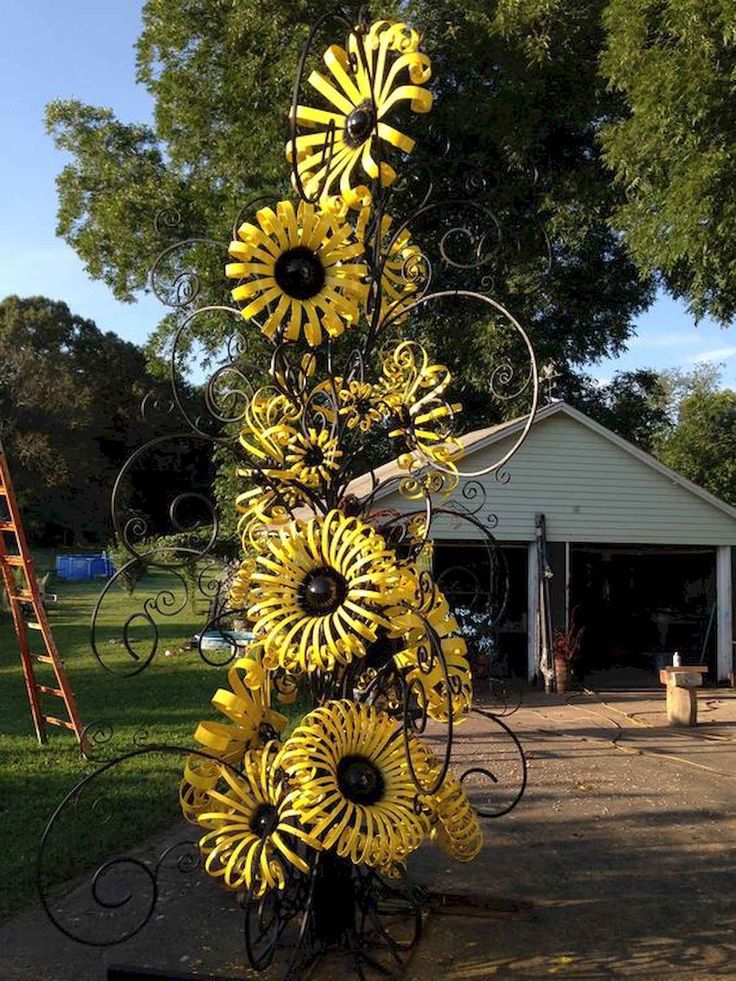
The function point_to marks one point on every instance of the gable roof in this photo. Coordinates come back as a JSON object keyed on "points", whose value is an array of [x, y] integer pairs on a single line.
{"points": [[477, 440]]}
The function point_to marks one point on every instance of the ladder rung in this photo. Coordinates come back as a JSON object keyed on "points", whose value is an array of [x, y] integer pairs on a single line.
{"points": [[58, 722], [24, 593], [50, 691]]}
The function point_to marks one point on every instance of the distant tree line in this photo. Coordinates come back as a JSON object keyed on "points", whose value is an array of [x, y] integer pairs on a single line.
{"points": [[70, 414]]}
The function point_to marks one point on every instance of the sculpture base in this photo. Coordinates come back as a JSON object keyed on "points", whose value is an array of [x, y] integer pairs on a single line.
{"points": [[333, 910]]}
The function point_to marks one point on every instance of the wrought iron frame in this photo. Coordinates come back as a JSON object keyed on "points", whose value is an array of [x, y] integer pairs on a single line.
{"points": [[225, 395]]}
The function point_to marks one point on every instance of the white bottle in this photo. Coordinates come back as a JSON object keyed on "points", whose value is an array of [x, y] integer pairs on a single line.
{"points": [[676, 660]]}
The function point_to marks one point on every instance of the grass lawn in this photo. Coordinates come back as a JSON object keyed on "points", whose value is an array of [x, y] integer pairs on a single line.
{"points": [[167, 700]]}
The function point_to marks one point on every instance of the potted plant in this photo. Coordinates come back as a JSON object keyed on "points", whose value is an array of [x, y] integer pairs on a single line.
{"points": [[566, 649]]}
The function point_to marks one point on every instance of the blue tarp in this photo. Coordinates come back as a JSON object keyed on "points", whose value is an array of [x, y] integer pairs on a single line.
{"points": [[79, 567]]}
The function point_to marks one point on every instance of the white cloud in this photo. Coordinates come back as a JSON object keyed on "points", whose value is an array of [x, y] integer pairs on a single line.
{"points": [[717, 354], [663, 340]]}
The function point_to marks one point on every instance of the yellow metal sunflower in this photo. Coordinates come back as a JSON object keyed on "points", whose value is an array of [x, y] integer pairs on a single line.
{"points": [[252, 837], [353, 788], [267, 431], [268, 427], [321, 591], [381, 69], [246, 706], [361, 404], [299, 265], [312, 457], [404, 271], [259, 510], [434, 654], [252, 720], [289, 456], [268, 421], [420, 417]]}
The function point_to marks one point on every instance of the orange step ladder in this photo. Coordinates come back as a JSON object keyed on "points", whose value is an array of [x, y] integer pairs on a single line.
{"points": [[29, 616]]}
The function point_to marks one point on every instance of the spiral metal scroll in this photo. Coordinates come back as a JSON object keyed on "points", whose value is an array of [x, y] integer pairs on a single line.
{"points": [[300, 398], [119, 909], [161, 584]]}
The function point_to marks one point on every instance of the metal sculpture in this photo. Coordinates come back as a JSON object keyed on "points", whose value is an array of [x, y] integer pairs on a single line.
{"points": [[314, 830]]}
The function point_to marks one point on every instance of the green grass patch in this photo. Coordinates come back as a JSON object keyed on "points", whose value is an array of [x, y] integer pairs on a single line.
{"points": [[166, 700]]}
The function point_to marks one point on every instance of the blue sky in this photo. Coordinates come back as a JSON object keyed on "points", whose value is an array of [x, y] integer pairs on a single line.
{"points": [[84, 49], [66, 49]]}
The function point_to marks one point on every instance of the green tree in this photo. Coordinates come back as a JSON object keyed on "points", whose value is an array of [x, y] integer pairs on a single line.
{"points": [[69, 413], [519, 95], [701, 444], [633, 404], [673, 63]]}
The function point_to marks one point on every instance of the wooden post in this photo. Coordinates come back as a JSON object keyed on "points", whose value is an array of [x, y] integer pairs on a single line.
{"points": [[545, 574], [532, 606], [724, 614]]}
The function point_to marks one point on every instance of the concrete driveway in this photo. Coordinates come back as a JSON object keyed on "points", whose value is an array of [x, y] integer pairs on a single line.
{"points": [[624, 846], [625, 843]]}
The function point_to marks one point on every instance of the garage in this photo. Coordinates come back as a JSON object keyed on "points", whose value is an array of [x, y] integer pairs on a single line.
{"points": [[596, 532]]}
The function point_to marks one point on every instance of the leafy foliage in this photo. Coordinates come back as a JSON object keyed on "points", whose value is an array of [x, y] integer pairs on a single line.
{"points": [[102, 208], [633, 404], [672, 149], [701, 444], [519, 96], [67, 420]]}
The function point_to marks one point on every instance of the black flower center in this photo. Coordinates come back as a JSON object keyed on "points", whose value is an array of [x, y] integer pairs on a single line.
{"points": [[363, 407], [264, 820], [314, 456], [397, 419], [299, 273], [322, 591], [360, 780], [359, 125]]}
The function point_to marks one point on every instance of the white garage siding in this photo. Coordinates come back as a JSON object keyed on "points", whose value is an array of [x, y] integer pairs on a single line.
{"points": [[591, 486]]}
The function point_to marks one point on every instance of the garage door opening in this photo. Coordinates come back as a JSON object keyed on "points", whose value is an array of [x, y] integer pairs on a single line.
{"points": [[488, 590], [638, 606]]}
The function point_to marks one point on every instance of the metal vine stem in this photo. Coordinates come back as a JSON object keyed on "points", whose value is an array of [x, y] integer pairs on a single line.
{"points": [[467, 244]]}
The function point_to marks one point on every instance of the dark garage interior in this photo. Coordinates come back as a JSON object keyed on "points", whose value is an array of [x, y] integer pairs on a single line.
{"points": [[473, 579], [638, 605]]}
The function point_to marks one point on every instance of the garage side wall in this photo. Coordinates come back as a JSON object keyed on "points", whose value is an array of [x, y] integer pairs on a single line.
{"points": [[589, 489]]}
